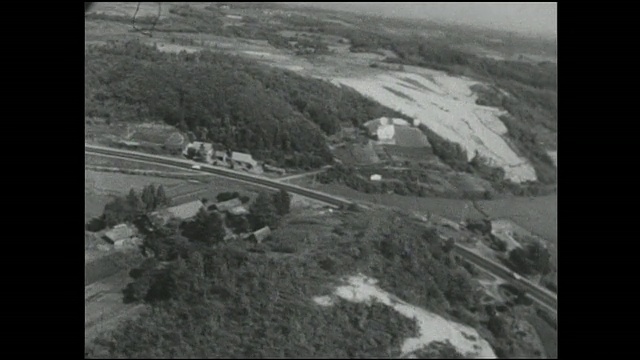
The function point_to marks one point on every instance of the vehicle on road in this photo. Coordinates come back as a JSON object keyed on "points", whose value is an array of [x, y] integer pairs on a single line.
{"points": [[196, 167], [516, 276]]}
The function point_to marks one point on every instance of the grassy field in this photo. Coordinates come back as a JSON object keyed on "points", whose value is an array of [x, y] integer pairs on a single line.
{"points": [[93, 160], [445, 207], [115, 183], [538, 215]]}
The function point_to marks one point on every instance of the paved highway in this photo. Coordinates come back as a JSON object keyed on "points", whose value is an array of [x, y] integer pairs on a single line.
{"points": [[541, 295]]}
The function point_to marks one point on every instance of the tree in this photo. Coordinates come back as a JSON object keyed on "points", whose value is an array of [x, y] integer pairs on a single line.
{"points": [[161, 198], [134, 201], [534, 259], [149, 197], [449, 245], [497, 326], [206, 227], [282, 202], [118, 211], [263, 212]]}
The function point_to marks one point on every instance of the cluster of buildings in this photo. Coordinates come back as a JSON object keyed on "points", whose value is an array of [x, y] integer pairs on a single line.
{"points": [[125, 235], [206, 153]]}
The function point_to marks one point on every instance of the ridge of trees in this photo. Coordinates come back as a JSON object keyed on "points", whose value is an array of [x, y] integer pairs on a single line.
{"points": [[224, 99]]}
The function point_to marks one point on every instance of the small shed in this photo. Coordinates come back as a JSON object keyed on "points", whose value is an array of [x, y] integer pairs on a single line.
{"points": [[259, 235]]}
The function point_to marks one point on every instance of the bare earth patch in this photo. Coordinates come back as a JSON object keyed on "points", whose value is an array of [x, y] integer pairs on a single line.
{"points": [[431, 327], [450, 111]]}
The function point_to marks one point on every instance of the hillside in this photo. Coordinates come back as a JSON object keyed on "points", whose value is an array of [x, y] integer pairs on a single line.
{"points": [[275, 114], [240, 299]]}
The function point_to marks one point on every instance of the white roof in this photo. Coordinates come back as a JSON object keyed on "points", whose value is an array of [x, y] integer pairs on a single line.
{"points": [[242, 157]]}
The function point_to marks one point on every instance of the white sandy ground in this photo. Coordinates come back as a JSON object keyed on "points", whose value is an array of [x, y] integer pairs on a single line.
{"points": [[448, 108], [554, 157], [431, 327]]}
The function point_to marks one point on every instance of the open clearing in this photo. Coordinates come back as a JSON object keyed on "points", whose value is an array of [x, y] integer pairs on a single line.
{"points": [[450, 208], [116, 184], [450, 111], [431, 327], [112, 162], [538, 215]]}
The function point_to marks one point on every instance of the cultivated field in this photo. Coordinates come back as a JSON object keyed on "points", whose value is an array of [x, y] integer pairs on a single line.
{"points": [[111, 162], [120, 184], [447, 106]]}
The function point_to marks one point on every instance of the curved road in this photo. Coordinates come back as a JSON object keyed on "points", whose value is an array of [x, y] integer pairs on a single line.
{"points": [[541, 295]]}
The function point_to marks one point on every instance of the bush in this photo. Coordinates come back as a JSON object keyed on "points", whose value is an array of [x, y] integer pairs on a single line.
{"points": [[226, 196], [531, 260]]}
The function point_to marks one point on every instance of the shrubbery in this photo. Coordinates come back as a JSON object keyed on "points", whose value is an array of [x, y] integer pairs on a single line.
{"points": [[532, 259], [127, 209]]}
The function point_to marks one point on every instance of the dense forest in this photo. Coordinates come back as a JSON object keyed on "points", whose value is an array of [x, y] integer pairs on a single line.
{"points": [[276, 114], [237, 299]]}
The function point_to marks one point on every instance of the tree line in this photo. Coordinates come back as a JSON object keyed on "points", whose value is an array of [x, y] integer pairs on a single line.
{"points": [[127, 208]]}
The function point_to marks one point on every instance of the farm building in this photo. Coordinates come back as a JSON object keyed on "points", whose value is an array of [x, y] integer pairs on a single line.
{"points": [[181, 212], [381, 128], [119, 233], [396, 131], [226, 206], [245, 161], [259, 235]]}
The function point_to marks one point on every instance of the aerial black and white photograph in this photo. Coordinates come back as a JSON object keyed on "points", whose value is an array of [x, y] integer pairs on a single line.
{"points": [[320, 180]]}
